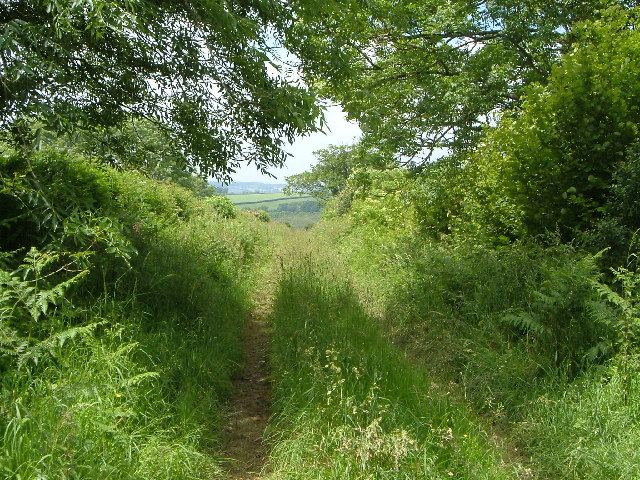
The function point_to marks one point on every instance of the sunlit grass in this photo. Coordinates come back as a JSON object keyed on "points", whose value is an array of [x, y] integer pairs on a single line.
{"points": [[348, 404]]}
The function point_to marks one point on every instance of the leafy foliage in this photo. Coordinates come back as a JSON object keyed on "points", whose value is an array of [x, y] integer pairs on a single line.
{"points": [[224, 206], [120, 295], [328, 177], [140, 145], [261, 215], [29, 290], [552, 165], [196, 69], [420, 76]]}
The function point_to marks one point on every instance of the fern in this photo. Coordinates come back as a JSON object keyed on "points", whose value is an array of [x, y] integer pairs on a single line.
{"points": [[30, 292], [55, 341], [138, 379], [11, 343], [608, 294], [39, 303], [528, 321], [627, 303], [34, 287], [600, 312]]}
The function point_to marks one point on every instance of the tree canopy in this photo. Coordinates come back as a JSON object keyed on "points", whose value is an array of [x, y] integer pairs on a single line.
{"points": [[553, 165], [432, 74], [329, 175], [198, 69], [560, 164]]}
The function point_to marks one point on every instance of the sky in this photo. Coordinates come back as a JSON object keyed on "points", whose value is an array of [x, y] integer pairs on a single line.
{"points": [[339, 132]]}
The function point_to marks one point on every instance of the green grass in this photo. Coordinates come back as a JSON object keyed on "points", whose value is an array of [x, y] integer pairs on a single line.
{"points": [[298, 212], [296, 220], [512, 332], [127, 374], [268, 201], [348, 404], [390, 356], [100, 409], [256, 197], [588, 428]]}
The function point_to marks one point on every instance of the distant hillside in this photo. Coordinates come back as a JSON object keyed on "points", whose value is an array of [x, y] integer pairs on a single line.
{"points": [[235, 188], [298, 211]]}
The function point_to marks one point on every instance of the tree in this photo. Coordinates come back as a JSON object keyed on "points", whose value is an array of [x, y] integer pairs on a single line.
{"points": [[198, 69], [424, 75], [552, 167], [335, 164], [140, 145]]}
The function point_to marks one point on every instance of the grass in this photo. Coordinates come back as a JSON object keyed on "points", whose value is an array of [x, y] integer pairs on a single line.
{"points": [[586, 429], [98, 411], [347, 402], [298, 212], [257, 197], [391, 358], [140, 392], [298, 220], [520, 334]]}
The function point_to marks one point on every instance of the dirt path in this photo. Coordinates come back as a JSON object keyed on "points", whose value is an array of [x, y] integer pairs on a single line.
{"points": [[250, 406]]}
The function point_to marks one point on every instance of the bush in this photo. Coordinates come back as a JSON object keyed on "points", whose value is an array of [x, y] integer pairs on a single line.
{"points": [[550, 166], [260, 215], [224, 206]]}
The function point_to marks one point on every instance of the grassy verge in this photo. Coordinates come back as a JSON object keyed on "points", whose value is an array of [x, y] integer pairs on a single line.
{"points": [[120, 372], [348, 404], [521, 334], [587, 429]]}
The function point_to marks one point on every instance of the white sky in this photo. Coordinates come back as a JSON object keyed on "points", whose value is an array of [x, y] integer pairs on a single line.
{"points": [[339, 132]]}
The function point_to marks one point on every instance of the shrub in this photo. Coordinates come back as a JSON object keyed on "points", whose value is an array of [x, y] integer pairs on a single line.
{"points": [[260, 215], [223, 206]]}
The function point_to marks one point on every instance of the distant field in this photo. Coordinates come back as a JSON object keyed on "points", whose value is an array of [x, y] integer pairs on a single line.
{"points": [[257, 197], [296, 220], [299, 212]]}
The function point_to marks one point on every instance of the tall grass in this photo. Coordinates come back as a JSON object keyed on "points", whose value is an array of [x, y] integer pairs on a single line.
{"points": [[139, 393], [527, 335], [347, 402], [96, 410], [586, 429]]}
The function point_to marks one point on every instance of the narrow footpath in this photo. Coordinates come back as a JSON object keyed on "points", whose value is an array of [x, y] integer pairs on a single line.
{"points": [[250, 405]]}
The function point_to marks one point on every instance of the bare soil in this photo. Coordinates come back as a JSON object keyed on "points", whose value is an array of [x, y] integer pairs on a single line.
{"points": [[250, 406]]}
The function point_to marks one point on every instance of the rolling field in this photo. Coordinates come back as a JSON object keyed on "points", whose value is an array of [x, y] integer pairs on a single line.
{"points": [[258, 197], [297, 211]]}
